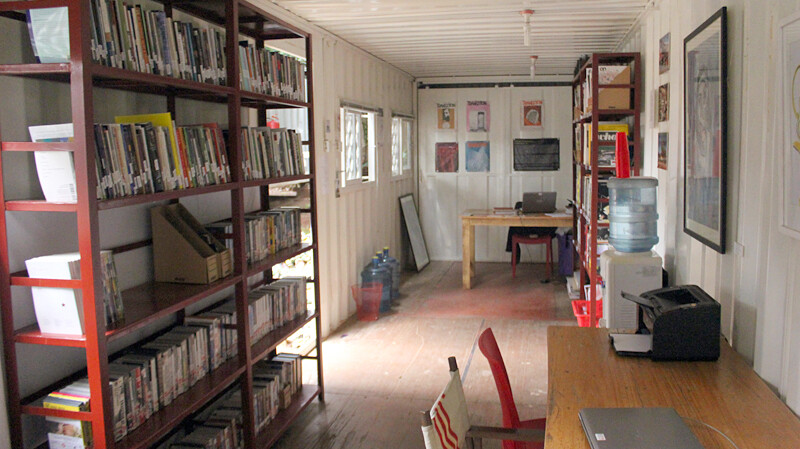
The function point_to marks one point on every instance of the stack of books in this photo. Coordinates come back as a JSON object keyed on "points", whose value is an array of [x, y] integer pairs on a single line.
{"points": [[129, 37], [266, 232], [65, 432], [60, 310], [271, 306], [271, 153], [271, 72]]}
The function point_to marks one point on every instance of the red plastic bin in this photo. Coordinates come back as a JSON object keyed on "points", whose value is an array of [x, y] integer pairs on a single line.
{"points": [[581, 310]]}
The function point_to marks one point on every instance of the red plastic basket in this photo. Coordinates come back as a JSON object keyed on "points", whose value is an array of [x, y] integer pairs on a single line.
{"points": [[368, 300], [581, 310]]}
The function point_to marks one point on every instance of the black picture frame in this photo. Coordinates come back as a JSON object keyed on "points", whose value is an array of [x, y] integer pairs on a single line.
{"points": [[705, 75], [537, 154], [413, 228]]}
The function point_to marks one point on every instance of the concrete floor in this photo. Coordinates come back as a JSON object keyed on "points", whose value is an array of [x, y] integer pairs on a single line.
{"points": [[380, 375]]}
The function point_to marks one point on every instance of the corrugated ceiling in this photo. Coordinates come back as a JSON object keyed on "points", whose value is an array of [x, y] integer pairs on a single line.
{"points": [[430, 38]]}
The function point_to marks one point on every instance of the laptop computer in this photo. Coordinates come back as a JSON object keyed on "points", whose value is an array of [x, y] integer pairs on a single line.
{"points": [[636, 428], [538, 202]]}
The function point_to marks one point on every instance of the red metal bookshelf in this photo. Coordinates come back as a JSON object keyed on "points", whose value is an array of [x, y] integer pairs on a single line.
{"points": [[153, 301], [585, 215]]}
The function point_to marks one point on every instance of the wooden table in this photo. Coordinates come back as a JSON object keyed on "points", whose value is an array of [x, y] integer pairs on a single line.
{"points": [[473, 217], [584, 371]]}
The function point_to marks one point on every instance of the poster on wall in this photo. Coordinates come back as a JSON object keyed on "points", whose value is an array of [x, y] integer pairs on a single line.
{"points": [[446, 157], [477, 156], [790, 135], [532, 113], [663, 54], [705, 74], [478, 116], [663, 147], [446, 115], [663, 102]]}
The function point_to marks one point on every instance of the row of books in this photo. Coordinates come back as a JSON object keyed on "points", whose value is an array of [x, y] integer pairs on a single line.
{"points": [[271, 306], [60, 310], [271, 153], [606, 147], [129, 37], [219, 425], [271, 72], [143, 154], [266, 232], [583, 195]]}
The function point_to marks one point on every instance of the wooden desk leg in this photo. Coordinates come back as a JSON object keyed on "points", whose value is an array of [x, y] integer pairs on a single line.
{"points": [[468, 254]]}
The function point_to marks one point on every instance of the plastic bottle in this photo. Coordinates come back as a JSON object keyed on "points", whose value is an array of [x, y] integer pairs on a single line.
{"points": [[394, 264], [374, 272], [633, 217]]}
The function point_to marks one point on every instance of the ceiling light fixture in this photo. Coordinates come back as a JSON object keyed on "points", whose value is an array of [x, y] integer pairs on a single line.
{"points": [[533, 66], [527, 14]]}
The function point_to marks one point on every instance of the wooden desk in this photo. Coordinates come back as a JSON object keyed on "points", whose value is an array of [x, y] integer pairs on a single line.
{"points": [[584, 371], [471, 218]]}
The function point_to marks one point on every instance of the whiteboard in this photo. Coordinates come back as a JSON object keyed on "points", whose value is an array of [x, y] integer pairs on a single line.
{"points": [[411, 220]]}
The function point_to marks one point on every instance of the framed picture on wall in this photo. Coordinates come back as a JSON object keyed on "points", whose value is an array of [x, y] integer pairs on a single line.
{"points": [[446, 157], [790, 125], [705, 159], [532, 113], [663, 54], [663, 150], [446, 115], [663, 102], [478, 116], [477, 155]]}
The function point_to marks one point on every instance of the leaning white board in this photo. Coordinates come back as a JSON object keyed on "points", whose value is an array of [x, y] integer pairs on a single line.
{"points": [[414, 229]]}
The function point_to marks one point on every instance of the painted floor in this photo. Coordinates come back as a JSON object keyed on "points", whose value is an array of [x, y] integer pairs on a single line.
{"points": [[379, 375]]}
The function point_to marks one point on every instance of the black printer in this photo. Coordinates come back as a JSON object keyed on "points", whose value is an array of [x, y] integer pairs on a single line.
{"points": [[684, 322]]}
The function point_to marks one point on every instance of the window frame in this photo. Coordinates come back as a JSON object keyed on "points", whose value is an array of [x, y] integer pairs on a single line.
{"points": [[405, 140], [372, 116]]}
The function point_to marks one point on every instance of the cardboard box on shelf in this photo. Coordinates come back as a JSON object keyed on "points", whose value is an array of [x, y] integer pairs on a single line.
{"points": [[612, 97]]}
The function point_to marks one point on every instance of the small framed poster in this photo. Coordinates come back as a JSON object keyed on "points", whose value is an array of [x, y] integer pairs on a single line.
{"points": [[532, 113]]}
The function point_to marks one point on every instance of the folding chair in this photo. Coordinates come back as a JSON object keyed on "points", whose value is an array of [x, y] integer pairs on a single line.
{"points": [[446, 425]]}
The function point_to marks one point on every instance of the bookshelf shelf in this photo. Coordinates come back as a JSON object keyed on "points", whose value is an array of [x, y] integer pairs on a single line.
{"points": [[586, 96], [280, 256], [32, 335], [281, 180], [270, 434], [182, 406], [37, 146], [266, 344], [162, 196], [150, 303], [39, 206]]}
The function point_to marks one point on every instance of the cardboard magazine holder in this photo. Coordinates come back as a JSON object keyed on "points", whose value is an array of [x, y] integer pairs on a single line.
{"points": [[179, 253], [225, 262]]}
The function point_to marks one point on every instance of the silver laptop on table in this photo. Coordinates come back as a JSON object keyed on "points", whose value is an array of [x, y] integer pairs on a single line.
{"points": [[636, 428], [538, 202]]}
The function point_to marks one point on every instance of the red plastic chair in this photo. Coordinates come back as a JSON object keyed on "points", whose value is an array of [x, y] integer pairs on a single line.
{"points": [[491, 351], [547, 241]]}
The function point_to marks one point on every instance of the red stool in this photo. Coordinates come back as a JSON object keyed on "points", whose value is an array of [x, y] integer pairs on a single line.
{"points": [[535, 240]]}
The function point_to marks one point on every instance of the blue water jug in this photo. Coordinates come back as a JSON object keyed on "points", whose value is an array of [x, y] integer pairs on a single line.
{"points": [[394, 264], [633, 220], [374, 272]]}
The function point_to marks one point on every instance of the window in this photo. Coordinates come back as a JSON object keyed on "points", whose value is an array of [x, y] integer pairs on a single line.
{"points": [[401, 145], [358, 145]]}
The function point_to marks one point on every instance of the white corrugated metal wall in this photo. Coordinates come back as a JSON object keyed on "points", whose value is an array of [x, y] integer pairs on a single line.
{"points": [[501, 186], [756, 280]]}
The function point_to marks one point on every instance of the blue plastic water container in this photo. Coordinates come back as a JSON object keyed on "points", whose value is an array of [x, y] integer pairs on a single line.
{"points": [[633, 214], [374, 272], [394, 265]]}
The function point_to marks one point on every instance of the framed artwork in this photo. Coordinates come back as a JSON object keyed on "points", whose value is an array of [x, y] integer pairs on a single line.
{"points": [[663, 102], [790, 125], [532, 113], [705, 113], [446, 157], [446, 115], [663, 148], [477, 156], [478, 116], [663, 54]]}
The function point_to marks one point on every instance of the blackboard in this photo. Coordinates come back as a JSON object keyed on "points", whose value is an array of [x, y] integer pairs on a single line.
{"points": [[536, 154], [412, 225]]}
